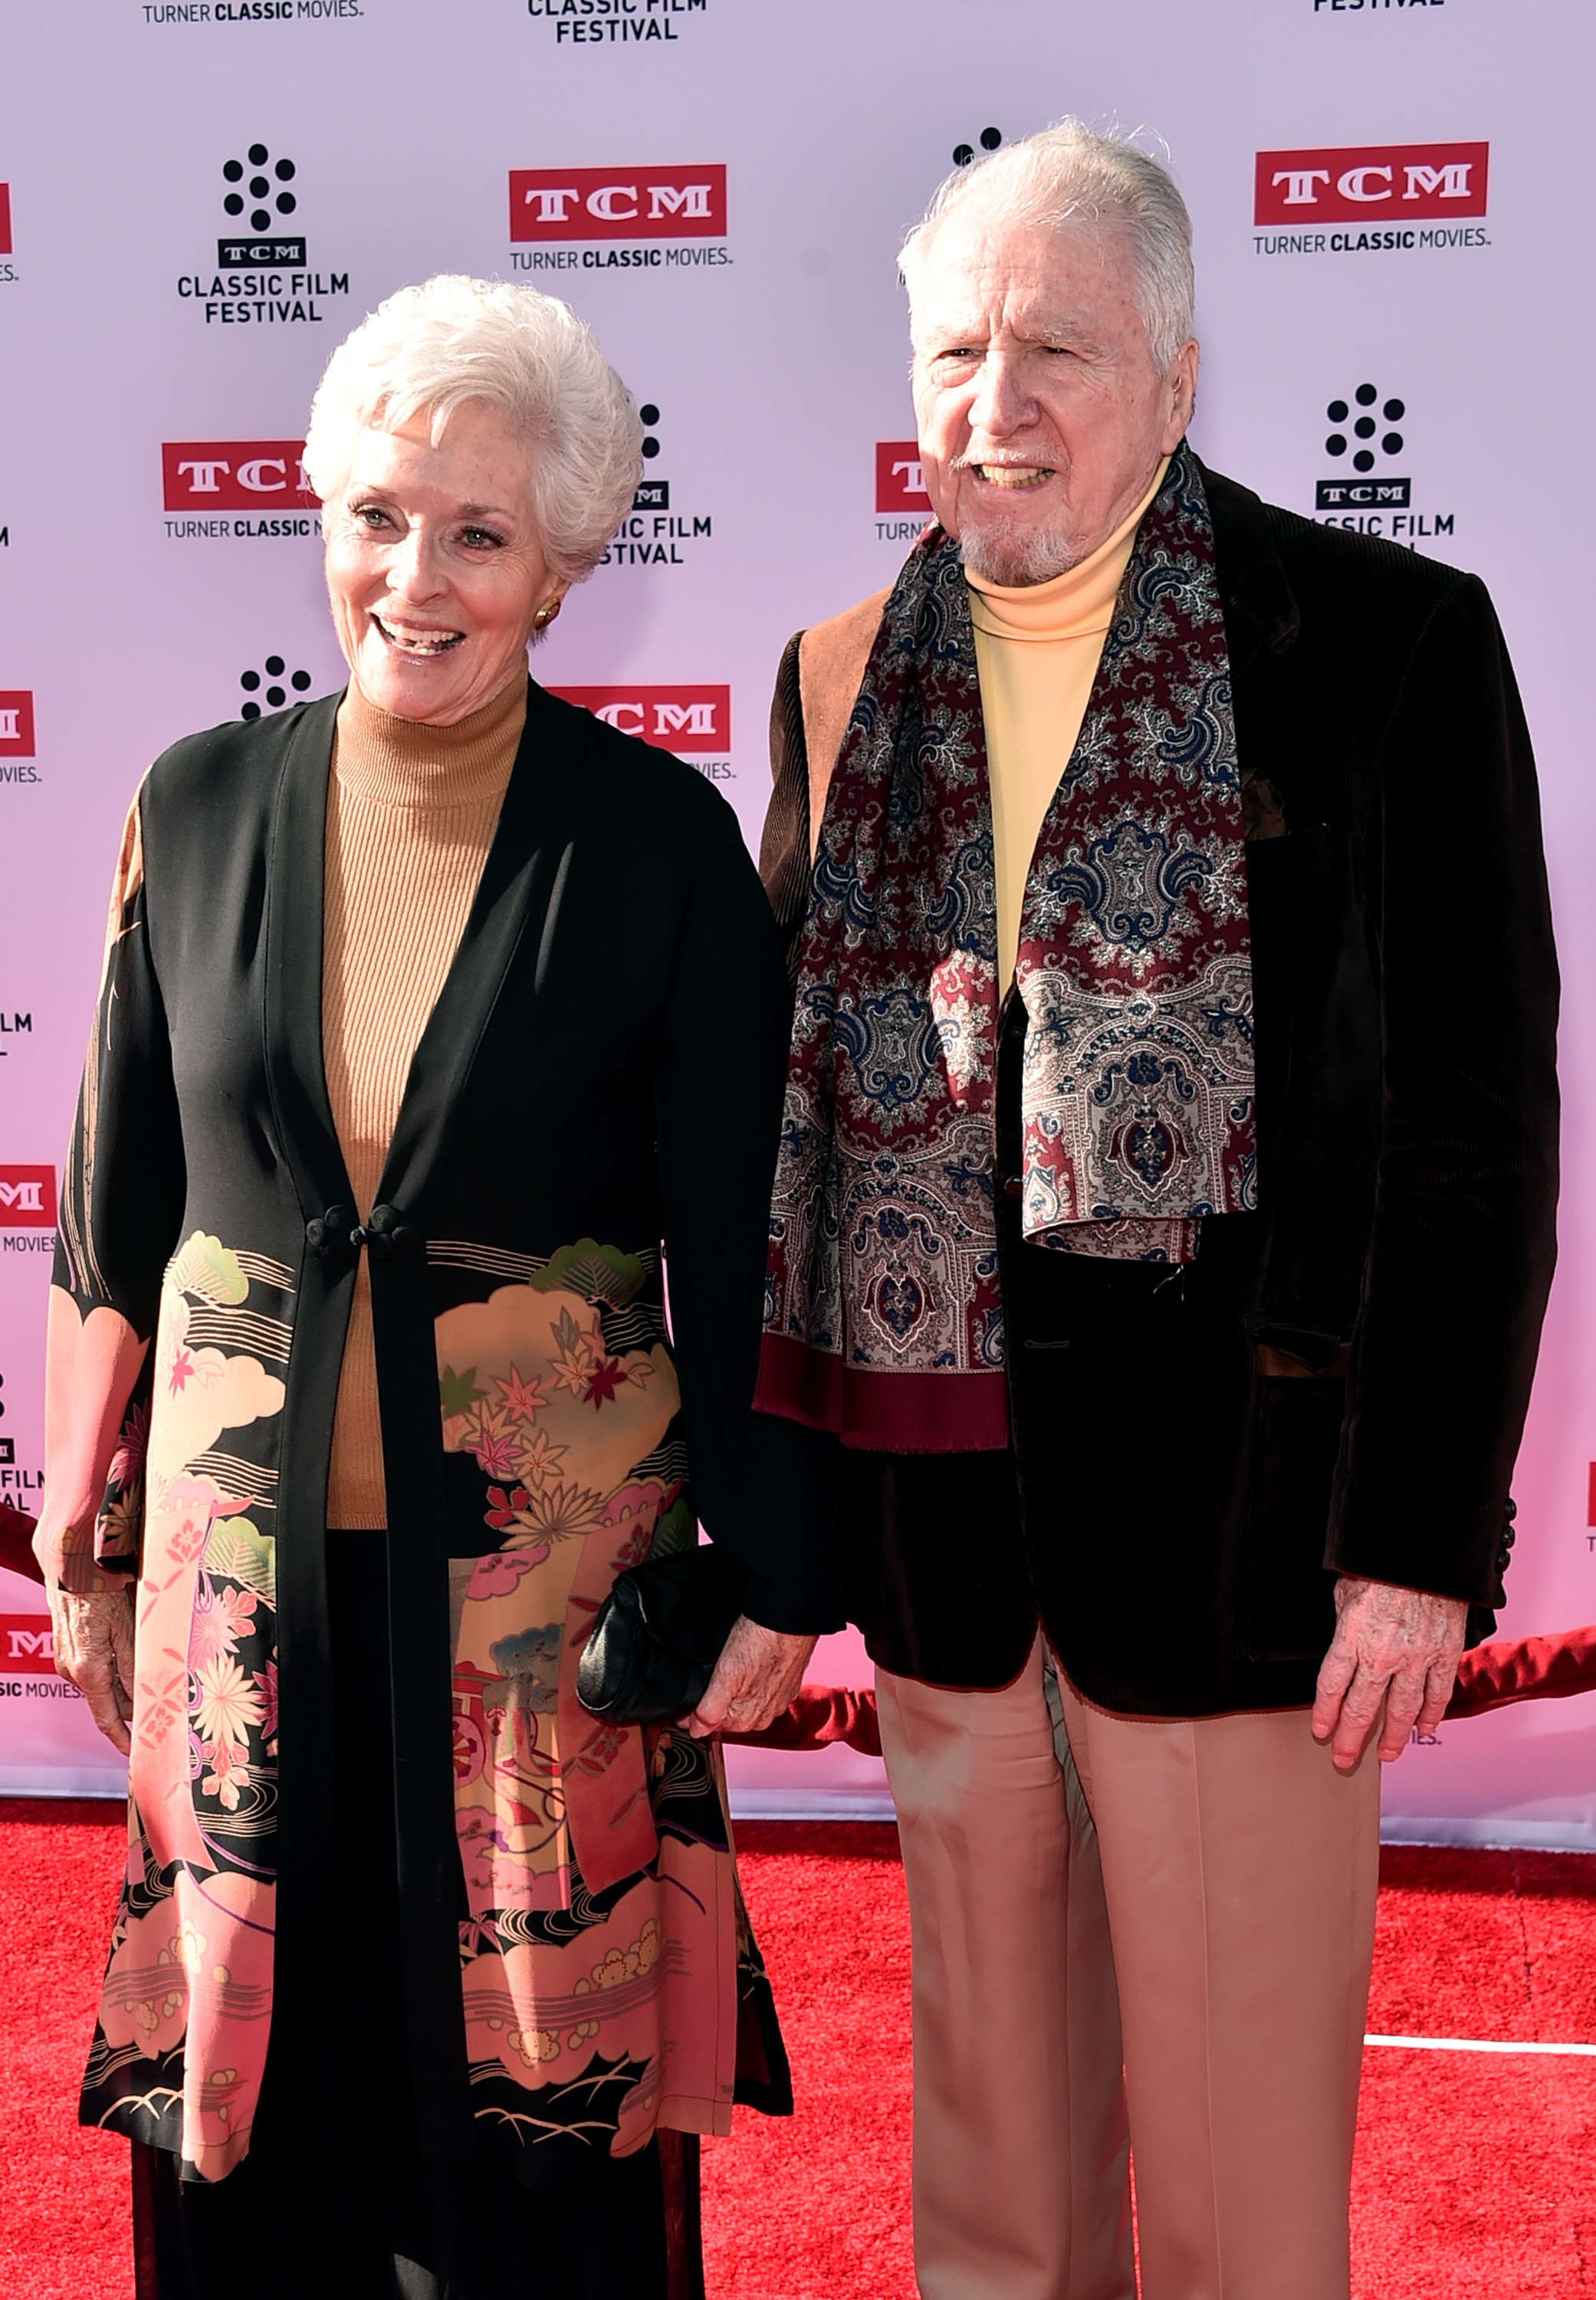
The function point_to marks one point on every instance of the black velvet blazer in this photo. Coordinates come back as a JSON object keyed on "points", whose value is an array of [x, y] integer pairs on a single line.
{"points": [[1338, 1383]]}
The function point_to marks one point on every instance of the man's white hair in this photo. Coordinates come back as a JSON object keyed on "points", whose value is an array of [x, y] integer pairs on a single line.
{"points": [[451, 341], [1067, 175]]}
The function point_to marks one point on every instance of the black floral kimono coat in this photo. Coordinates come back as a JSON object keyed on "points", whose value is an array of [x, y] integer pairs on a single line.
{"points": [[599, 1084]]}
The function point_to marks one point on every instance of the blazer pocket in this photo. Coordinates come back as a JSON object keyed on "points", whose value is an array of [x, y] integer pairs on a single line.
{"points": [[1287, 1594], [1288, 860]]}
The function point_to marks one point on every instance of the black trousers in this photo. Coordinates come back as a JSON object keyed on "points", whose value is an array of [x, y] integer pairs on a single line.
{"points": [[337, 2199], [287, 2227]]}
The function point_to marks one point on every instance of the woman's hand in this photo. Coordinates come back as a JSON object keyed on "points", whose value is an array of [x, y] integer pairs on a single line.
{"points": [[757, 1675], [92, 1637]]}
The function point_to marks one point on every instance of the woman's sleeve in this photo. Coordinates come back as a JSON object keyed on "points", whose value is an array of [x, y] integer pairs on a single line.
{"points": [[122, 1204], [763, 1486]]}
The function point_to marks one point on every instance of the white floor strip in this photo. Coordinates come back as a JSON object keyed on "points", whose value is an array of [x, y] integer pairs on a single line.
{"points": [[1477, 2045]]}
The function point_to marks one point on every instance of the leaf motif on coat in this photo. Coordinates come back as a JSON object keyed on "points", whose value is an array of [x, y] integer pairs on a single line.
{"points": [[678, 1529], [520, 1344], [574, 1356], [457, 1392], [607, 1377], [524, 1398], [202, 1265], [235, 1547], [598, 1273]]}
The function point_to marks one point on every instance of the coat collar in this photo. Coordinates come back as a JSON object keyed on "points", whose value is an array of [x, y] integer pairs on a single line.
{"points": [[294, 881], [1260, 610]]}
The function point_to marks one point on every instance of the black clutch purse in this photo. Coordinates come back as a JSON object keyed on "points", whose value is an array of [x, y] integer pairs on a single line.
{"points": [[658, 1636]]}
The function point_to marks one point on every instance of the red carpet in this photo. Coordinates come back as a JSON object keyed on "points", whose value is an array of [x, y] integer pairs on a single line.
{"points": [[1477, 2172], [64, 2231]]}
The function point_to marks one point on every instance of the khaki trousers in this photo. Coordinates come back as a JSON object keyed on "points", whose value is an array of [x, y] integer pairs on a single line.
{"points": [[1129, 1933]]}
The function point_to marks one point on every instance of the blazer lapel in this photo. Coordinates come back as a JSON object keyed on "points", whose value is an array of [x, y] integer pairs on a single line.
{"points": [[1260, 610]]}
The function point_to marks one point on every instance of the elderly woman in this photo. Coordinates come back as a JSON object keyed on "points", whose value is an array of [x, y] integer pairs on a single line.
{"points": [[435, 1016]]}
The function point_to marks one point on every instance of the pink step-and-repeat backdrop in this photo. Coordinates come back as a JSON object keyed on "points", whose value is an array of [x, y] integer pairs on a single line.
{"points": [[197, 200]]}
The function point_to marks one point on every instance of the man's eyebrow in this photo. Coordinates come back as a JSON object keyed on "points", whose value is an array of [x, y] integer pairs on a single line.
{"points": [[961, 327], [1038, 324], [1034, 327]]}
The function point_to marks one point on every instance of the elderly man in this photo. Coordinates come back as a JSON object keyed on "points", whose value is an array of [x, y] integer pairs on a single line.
{"points": [[1163, 1224]]}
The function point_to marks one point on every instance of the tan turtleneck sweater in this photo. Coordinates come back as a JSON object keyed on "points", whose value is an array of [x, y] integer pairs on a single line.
{"points": [[1037, 649], [411, 813]]}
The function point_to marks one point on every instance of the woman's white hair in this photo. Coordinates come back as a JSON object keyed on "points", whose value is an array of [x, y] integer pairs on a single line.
{"points": [[1066, 174], [452, 341]]}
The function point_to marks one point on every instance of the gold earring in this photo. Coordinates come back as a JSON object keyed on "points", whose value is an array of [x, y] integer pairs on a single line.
{"points": [[545, 615]]}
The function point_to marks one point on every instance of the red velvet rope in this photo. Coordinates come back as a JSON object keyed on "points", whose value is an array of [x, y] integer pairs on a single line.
{"points": [[16, 1535], [1525, 1669], [821, 1714]]}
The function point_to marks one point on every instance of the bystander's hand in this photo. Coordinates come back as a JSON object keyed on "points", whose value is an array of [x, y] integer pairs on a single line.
{"points": [[1395, 1648], [757, 1675], [92, 1637]]}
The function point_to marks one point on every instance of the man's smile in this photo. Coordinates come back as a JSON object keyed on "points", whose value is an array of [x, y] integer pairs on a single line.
{"points": [[1013, 475]]}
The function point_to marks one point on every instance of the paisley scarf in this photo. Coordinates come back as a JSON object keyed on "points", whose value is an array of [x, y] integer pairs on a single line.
{"points": [[884, 1317]]}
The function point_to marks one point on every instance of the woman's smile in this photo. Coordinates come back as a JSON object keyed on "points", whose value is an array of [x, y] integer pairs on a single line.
{"points": [[408, 638]]}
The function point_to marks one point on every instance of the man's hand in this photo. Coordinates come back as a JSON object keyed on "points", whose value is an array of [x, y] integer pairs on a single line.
{"points": [[94, 1649], [757, 1675], [1395, 1646]]}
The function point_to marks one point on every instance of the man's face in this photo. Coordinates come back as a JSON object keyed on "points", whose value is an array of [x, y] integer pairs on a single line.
{"points": [[1042, 416]]}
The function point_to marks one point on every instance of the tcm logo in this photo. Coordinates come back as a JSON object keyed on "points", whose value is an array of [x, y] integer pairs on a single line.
{"points": [[253, 195], [5, 247], [1408, 181], [561, 204], [1362, 494], [234, 475], [25, 1646], [27, 1197], [1363, 430], [900, 482], [674, 717], [16, 728]]}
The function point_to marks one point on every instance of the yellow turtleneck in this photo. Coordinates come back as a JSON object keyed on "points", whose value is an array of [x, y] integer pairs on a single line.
{"points": [[1037, 649], [410, 814]]}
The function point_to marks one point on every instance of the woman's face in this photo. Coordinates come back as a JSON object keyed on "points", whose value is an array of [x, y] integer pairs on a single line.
{"points": [[433, 565]]}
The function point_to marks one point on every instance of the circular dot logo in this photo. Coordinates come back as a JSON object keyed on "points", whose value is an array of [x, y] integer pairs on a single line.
{"points": [[269, 684], [990, 140], [259, 188], [1363, 426], [649, 414]]}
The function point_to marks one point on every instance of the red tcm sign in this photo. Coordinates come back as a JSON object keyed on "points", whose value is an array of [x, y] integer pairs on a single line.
{"points": [[1404, 181], [674, 717], [25, 1646], [551, 204], [234, 475], [16, 723], [26, 1196], [900, 482], [5, 248]]}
